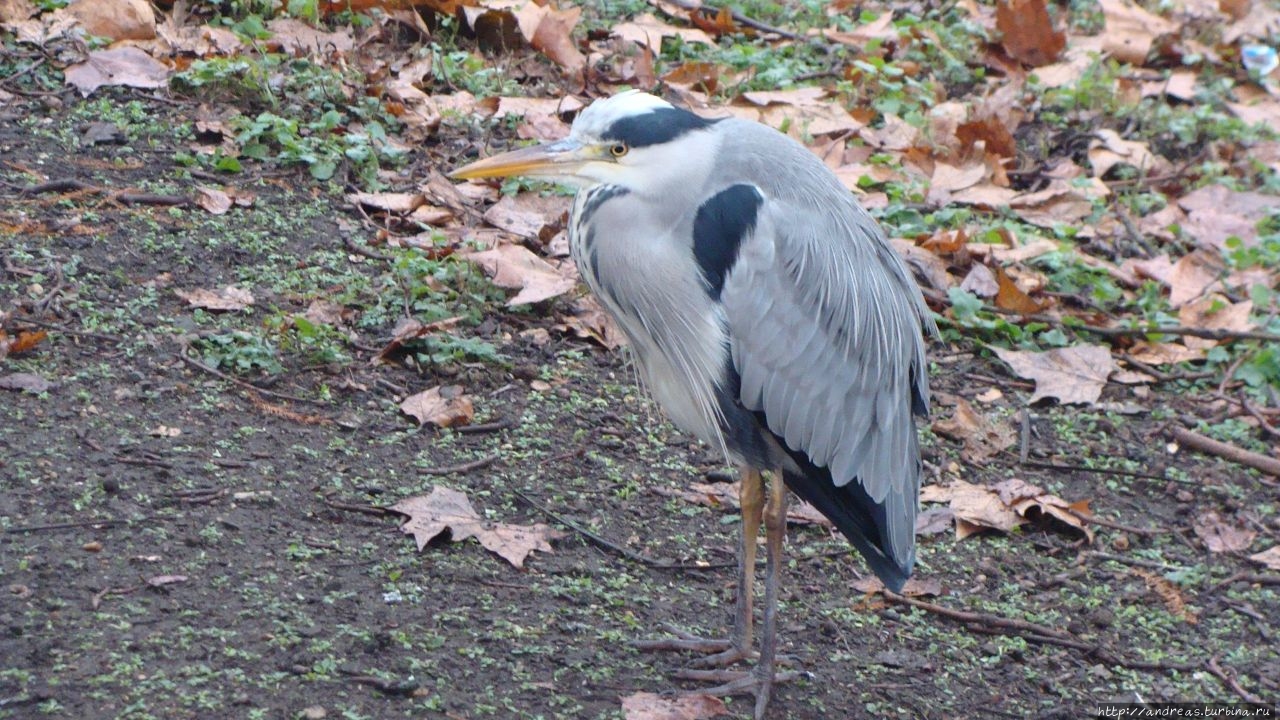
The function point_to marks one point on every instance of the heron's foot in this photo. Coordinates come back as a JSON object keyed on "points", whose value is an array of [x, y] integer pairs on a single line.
{"points": [[758, 682]]}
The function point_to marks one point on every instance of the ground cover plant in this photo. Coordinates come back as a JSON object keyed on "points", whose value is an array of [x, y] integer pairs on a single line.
{"points": [[248, 329]]}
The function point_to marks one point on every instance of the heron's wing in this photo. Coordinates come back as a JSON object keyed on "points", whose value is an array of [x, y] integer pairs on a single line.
{"points": [[825, 332]]}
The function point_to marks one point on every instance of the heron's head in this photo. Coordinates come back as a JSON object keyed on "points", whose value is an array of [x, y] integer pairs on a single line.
{"points": [[632, 140]]}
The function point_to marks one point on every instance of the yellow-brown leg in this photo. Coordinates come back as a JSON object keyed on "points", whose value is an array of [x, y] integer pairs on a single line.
{"points": [[775, 527], [738, 647], [759, 681]]}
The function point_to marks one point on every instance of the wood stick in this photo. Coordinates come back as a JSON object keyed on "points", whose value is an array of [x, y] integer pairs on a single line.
{"points": [[1238, 455]]}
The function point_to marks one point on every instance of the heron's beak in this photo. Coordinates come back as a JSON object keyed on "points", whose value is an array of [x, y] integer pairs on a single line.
{"points": [[557, 159]]}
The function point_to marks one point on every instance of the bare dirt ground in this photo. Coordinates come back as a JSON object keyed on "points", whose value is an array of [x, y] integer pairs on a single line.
{"points": [[178, 545]]}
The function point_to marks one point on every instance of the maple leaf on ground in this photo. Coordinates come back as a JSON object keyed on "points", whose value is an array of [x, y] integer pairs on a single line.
{"points": [[650, 706], [1071, 375], [983, 437], [1220, 535], [514, 266], [443, 406], [127, 66], [447, 509], [225, 299]]}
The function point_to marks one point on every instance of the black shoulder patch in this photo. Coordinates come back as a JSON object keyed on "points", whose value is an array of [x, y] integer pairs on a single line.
{"points": [[718, 229], [655, 127]]}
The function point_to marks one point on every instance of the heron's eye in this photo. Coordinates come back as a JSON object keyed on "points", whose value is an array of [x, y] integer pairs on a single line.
{"points": [[619, 149]]}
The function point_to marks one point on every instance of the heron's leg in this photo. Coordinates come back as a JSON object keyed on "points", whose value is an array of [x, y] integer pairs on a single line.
{"points": [[775, 526], [738, 647], [761, 679]]}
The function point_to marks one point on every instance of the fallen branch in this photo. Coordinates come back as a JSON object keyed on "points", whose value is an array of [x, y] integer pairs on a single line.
{"points": [[462, 467], [1238, 455]]}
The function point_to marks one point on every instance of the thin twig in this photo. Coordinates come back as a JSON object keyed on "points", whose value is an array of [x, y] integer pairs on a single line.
{"points": [[1267, 427], [69, 525], [1196, 441], [484, 427], [462, 467], [611, 546], [1229, 679], [246, 385], [353, 507]]}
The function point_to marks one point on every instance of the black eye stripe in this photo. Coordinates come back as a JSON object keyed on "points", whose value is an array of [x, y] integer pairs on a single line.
{"points": [[655, 127]]}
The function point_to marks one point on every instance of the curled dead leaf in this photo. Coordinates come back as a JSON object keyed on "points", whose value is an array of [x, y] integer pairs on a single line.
{"points": [[443, 406], [224, 299]]}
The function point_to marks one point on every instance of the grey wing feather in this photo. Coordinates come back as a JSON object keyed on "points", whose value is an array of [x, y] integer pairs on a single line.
{"points": [[825, 332]]}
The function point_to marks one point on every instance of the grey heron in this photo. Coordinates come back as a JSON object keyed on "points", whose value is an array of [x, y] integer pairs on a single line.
{"points": [[768, 316]]}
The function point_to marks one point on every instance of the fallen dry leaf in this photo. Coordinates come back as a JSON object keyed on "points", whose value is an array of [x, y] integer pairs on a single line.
{"points": [[1168, 593], [550, 31], [649, 31], [1216, 212], [1071, 375], [528, 215], [1270, 558], [1011, 297], [1108, 149], [448, 509], [983, 437], [1192, 275], [25, 342], [227, 298], [1214, 312], [127, 66], [650, 706], [116, 19], [589, 321], [1005, 506], [411, 329], [514, 266], [1131, 30], [298, 38], [1027, 32], [27, 382], [216, 201], [12, 11], [443, 406], [1220, 535]]}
